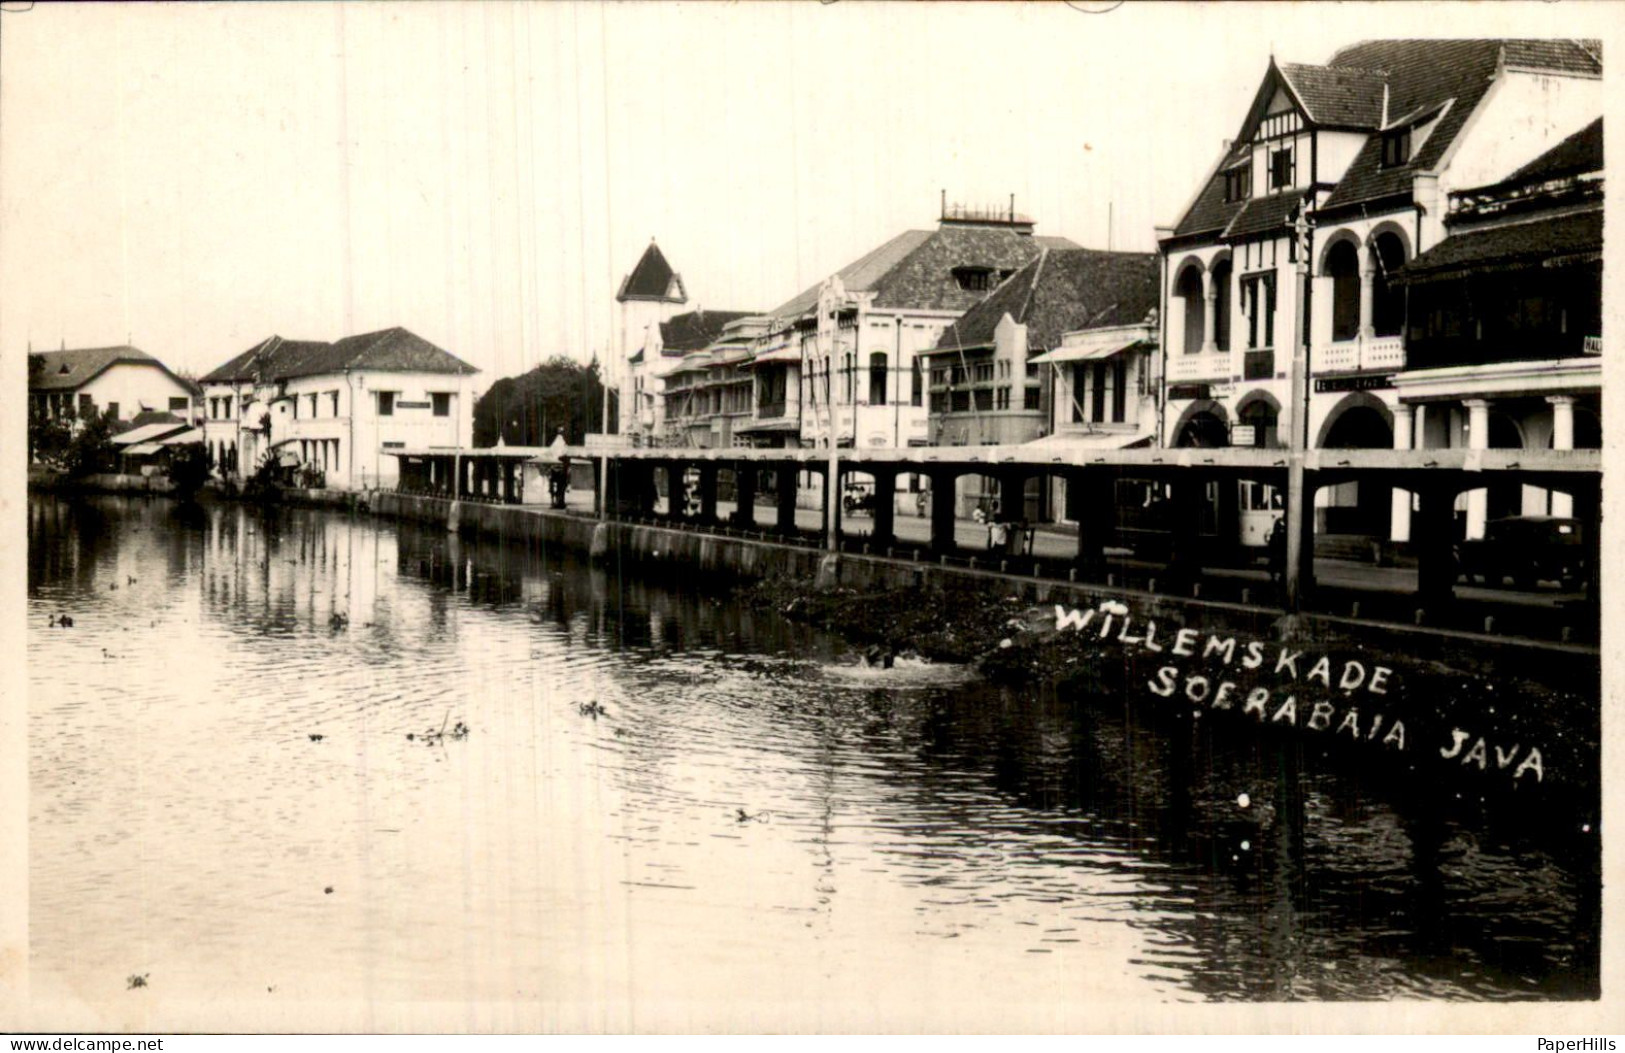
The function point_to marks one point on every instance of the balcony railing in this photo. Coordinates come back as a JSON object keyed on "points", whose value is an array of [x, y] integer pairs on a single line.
{"points": [[1360, 354], [1210, 366], [769, 410], [1593, 345]]}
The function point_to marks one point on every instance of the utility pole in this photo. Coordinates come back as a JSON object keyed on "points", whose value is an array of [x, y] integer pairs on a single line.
{"points": [[829, 309], [603, 459], [1298, 440]]}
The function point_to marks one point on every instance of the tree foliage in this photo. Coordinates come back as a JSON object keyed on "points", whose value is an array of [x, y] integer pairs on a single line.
{"points": [[189, 469], [528, 410], [91, 448]]}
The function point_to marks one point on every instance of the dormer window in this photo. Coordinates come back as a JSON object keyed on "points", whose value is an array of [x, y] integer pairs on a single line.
{"points": [[1396, 147], [1282, 168], [974, 279], [1238, 183]]}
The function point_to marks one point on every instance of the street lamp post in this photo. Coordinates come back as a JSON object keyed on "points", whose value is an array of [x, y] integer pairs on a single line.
{"points": [[1298, 438]]}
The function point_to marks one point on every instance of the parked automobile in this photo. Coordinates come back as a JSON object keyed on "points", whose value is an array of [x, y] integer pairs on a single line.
{"points": [[859, 497], [1527, 549]]}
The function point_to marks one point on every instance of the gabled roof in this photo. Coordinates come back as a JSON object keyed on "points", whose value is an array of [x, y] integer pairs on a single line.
{"points": [[393, 350], [916, 268], [692, 330], [1334, 97], [76, 367], [1371, 85], [653, 279], [1578, 154], [1422, 75], [1060, 291]]}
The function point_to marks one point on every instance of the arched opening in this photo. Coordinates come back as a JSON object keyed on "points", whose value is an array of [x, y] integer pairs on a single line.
{"points": [[1204, 430], [1343, 268], [877, 378], [1387, 299], [1361, 508], [1189, 290], [1221, 304], [1360, 428], [1261, 415]]}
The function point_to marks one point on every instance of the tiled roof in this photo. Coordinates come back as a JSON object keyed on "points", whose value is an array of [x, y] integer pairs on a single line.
{"points": [[1263, 214], [1063, 290], [693, 330], [146, 417], [1578, 154], [861, 274], [924, 279], [75, 367], [1423, 74], [1534, 243], [915, 269], [1338, 97], [394, 350], [652, 279], [1210, 212], [1368, 84]]}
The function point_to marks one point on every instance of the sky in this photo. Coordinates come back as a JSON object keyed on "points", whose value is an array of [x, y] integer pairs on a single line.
{"points": [[192, 179]]}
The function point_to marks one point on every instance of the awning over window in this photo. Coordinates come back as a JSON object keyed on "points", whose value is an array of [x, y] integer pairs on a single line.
{"points": [[1087, 352], [149, 433], [1061, 442], [781, 354], [761, 427]]}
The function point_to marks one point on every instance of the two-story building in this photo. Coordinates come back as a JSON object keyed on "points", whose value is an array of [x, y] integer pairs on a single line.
{"points": [[1366, 151], [1503, 338], [710, 393], [1041, 356], [336, 408], [118, 382], [861, 336]]}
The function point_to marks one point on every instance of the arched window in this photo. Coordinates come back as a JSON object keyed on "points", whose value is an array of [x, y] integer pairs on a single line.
{"points": [[1221, 305], [1387, 299], [1189, 289], [1343, 267], [877, 378], [1264, 419]]}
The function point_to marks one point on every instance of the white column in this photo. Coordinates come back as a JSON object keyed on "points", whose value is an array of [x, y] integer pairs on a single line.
{"points": [[1368, 274], [1478, 438], [1562, 439], [1210, 297], [1403, 432]]}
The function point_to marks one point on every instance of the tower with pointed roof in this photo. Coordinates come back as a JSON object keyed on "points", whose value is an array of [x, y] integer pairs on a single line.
{"points": [[651, 293]]}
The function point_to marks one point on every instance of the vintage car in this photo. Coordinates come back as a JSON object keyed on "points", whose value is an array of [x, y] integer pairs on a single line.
{"points": [[859, 497], [1527, 549]]}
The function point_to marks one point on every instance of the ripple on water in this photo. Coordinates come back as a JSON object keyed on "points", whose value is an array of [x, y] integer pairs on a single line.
{"points": [[746, 777]]}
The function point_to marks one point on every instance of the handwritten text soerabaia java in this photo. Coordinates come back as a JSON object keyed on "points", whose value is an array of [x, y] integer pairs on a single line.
{"points": [[1263, 680]]}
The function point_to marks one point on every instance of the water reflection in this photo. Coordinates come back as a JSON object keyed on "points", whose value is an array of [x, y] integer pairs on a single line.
{"points": [[744, 810]]}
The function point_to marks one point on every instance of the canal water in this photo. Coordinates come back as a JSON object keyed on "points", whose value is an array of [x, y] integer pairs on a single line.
{"points": [[307, 756]]}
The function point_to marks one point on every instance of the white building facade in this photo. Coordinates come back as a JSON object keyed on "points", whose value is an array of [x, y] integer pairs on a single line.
{"points": [[333, 411], [1366, 152]]}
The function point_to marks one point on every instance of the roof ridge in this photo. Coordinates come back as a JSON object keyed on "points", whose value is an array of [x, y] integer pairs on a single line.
{"points": [[1032, 286]]}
